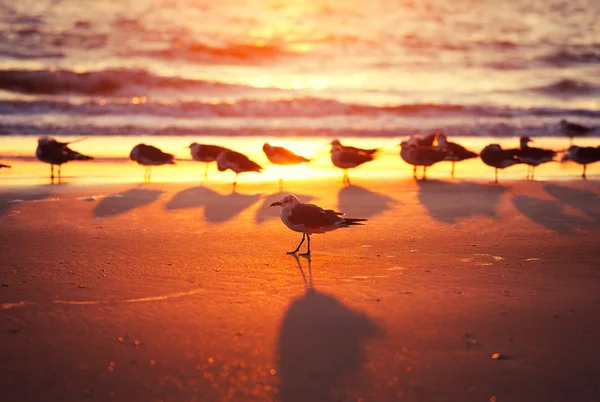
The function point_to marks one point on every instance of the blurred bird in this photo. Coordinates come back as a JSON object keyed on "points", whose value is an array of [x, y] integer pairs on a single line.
{"points": [[148, 156], [205, 153], [282, 156], [582, 155], [348, 158], [237, 162], [56, 153], [337, 143], [575, 130], [4, 166], [454, 152], [493, 155], [309, 219], [421, 155], [533, 156]]}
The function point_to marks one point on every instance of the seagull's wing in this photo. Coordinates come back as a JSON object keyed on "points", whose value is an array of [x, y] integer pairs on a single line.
{"points": [[313, 216], [289, 155], [156, 154], [355, 157], [243, 161]]}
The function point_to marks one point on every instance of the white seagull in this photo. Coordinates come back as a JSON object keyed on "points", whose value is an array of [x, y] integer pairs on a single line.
{"points": [[309, 219], [205, 153], [345, 159], [56, 153], [148, 155], [237, 162]]}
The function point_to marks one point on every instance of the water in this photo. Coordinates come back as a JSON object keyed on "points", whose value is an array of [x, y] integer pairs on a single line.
{"points": [[298, 68]]}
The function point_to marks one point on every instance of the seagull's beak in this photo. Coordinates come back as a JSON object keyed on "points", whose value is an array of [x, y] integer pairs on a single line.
{"points": [[275, 204]]}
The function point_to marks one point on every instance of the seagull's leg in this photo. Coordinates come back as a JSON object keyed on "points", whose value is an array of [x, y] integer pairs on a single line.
{"points": [[51, 171], [584, 169], [415, 172], [59, 175], [307, 254], [452, 172], [205, 170], [298, 248], [149, 173], [496, 171], [532, 172], [424, 172]]}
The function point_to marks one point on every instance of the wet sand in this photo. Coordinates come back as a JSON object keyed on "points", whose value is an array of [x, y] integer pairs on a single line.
{"points": [[184, 292]]}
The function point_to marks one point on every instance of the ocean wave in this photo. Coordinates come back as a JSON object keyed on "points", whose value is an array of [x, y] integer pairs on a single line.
{"points": [[491, 129], [302, 107], [111, 82], [564, 58], [197, 52], [568, 87]]}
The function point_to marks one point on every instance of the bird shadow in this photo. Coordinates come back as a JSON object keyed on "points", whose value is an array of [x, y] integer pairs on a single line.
{"points": [[320, 346], [356, 200], [450, 202], [583, 200], [547, 213], [265, 212], [120, 203], [217, 207], [9, 200]]}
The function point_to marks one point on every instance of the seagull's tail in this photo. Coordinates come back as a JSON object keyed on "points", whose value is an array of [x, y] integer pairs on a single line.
{"points": [[353, 221]]}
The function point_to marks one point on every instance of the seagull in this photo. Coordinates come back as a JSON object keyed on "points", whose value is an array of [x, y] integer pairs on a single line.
{"points": [[282, 156], [56, 153], [309, 219], [575, 130], [205, 153], [582, 155], [347, 158], [493, 155], [237, 162], [4, 166], [533, 156], [337, 143], [421, 155], [149, 156], [454, 152]]}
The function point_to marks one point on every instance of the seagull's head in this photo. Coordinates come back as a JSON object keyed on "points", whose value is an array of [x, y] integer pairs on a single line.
{"points": [[193, 145], [493, 147], [336, 143], [525, 140], [266, 147], [45, 140], [442, 140], [287, 201]]}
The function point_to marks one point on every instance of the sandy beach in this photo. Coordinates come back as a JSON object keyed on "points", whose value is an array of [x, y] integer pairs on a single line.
{"points": [[181, 292]]}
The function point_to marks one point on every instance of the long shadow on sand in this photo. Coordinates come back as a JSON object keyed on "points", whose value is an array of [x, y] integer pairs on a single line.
{"points": [[356, 201], [266, 212], [10, 199], [320, 346], [547, 213], [126, 201], [450, 202], [217, 207], [585, 201]]}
